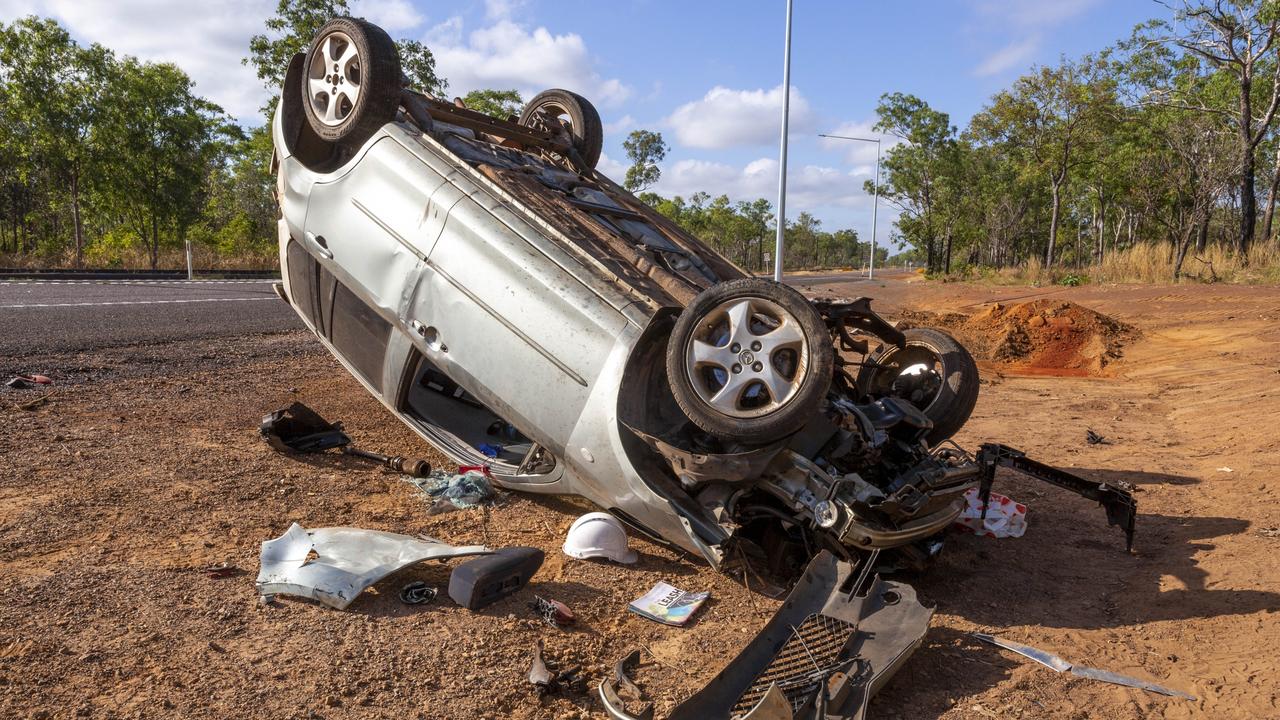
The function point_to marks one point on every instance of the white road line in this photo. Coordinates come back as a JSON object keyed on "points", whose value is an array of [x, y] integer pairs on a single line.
{"points": [[137, 302]]}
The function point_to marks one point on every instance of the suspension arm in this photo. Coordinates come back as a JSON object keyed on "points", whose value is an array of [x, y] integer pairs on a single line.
{"points": [[1116, 498]]}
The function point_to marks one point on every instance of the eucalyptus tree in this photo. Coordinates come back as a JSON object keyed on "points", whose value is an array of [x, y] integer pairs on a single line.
{"points": [[1238, 39], [910, 170], [163, 140], [645, 149], [1051, 117], [495, 103]]}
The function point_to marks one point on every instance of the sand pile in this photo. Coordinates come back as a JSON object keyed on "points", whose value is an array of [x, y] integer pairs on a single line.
{"points": [[1053, 337]]}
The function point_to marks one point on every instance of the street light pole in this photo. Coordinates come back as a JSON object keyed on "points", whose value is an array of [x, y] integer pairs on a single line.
{"points": [[875, 206], [782, 160]]}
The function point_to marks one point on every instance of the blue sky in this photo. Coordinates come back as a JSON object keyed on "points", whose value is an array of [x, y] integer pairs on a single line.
{"points": [[707, 74]]}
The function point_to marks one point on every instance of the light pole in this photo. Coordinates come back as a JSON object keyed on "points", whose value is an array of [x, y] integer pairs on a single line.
{"points": [[782, 160], [875, 205]]}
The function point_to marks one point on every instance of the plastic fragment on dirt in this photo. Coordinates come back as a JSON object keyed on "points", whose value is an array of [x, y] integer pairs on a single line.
{"points": [[455, 491], [547, 681], [1057, 664], [552, 612], [418, 593], [334, 565], [1005, 517]]}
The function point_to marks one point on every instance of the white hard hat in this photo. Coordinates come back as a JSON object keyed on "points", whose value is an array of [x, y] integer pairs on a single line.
{"points": [[598, 534]]}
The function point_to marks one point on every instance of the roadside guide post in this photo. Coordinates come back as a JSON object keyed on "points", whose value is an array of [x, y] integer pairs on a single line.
{"points": [[190, 272]]}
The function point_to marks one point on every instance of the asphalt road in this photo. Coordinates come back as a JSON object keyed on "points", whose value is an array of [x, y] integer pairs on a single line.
{"points": [[41, 316], [58, 316]]}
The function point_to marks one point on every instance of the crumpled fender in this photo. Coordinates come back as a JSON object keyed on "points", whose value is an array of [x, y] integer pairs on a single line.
{"points": [[348, 561]]}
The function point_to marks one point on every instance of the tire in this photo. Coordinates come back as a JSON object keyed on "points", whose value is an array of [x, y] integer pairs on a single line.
{"points": [[948, 386], [784, 361], [583, 120], [350, 57]]}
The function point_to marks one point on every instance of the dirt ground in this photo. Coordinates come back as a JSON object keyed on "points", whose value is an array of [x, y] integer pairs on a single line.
{"points": [[146, 468]]}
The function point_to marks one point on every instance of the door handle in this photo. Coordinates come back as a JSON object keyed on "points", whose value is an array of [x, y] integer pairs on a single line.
{"points": [[322, 245]]}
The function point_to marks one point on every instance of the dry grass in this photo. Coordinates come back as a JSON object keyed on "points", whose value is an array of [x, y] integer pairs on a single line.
{"points": [[1150, 263], [138, 259]]}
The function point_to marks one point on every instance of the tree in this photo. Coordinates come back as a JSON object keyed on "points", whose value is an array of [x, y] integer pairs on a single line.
{"points": [[1051, 115], [164, 140], [910, 169], [55, 92], [289, 32], [1238, 37], [501, 104], [645, 149], [758, 214], [419, 67]]}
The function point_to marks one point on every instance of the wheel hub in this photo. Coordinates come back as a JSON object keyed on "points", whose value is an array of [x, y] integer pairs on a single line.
{"points": [[333, 79], [748, 358]]}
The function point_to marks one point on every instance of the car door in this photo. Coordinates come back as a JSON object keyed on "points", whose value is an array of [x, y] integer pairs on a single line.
{"points": [[507, 319], [364, 225]]}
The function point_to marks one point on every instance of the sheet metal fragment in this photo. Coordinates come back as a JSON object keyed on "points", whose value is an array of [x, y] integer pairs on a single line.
{"points": [[346, 561], [1057, 664], [1049, 660]]}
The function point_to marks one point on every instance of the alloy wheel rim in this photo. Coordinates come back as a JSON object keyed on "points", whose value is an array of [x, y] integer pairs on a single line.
{"points": [[747, 358], [334, 79]]}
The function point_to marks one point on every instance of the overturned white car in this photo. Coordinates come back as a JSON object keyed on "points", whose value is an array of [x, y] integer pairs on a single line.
{"points": [[517, 308]]}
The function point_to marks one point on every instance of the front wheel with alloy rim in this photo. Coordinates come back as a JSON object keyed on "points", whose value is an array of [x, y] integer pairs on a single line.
{"points": [[749, 360], [932, 371], [352, 84]]}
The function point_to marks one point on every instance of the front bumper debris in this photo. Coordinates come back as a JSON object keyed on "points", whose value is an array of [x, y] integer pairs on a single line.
{"points": [[347, 561], [823, 655]]}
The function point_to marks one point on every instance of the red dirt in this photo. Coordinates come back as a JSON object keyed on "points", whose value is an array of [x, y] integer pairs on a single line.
{"points": [[1042, 337], [147, 466]]}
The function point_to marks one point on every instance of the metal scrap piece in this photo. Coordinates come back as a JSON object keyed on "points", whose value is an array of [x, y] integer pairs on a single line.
{"points": [[547, 681], [612, 691], [1118, 679], [345, 562], [1057, 664], [1049, 660]]}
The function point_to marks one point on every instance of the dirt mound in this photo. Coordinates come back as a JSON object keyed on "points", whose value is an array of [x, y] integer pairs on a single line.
{"points": [[1052, 337]]}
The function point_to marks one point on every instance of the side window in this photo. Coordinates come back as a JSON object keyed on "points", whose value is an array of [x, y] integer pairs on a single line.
{"points": [[359, 334]]}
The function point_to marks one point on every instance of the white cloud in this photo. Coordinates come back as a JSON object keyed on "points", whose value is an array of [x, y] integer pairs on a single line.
{"points": [[808, 186], [394, 16], [611, 168], [619, 126], [502, 9], [1012, 55], [727, 118], [207, 40], [508, 55], [1027, 22]]}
